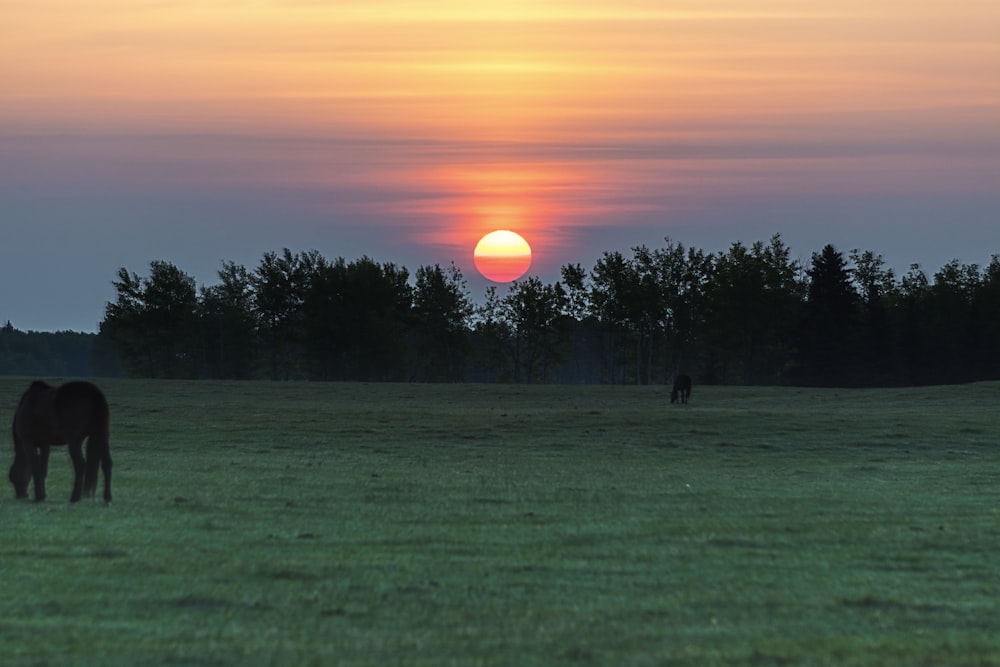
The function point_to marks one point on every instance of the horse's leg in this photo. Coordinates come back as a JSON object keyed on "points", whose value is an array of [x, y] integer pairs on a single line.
{"points": [[98, 460], [79, 468], [40, 470], [20, 472], [31, 469], [106, 467], [20, 469], [93, 460]]}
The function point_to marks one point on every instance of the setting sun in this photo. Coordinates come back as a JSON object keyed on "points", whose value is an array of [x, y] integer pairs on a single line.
{"points": [[502, 256]]}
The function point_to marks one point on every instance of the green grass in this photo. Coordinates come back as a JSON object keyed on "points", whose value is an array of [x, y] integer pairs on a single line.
{"points": [[392, 524]]}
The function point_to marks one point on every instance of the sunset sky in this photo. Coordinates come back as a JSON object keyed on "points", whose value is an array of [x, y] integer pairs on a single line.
{"points": [[202, 131]]}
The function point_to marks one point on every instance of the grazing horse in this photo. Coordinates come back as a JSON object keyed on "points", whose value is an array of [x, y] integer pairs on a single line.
{"points": [[49, 416], [682, 389]]}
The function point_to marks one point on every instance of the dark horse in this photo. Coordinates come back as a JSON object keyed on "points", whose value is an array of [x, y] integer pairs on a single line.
{"points": [[49, 416], [682, 389]]}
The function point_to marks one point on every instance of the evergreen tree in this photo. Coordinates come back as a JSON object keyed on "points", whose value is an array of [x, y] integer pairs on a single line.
{"points": [[829, 331]]}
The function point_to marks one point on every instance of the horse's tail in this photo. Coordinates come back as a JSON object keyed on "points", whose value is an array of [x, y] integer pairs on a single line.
{"points": [[98, 449]]}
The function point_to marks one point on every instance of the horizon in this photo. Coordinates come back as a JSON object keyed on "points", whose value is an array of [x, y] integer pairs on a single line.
{"points": [[477, 284]]}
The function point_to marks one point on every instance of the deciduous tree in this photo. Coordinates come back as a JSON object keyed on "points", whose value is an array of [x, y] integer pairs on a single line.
{"points": [[441, 312], [154, 322]]}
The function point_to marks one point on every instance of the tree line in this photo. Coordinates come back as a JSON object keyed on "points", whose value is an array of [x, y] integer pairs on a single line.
{"points": [[55, 354], [751, 314]]}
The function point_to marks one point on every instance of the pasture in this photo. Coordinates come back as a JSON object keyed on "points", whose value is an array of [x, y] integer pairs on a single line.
{"points": [[398, 524]]}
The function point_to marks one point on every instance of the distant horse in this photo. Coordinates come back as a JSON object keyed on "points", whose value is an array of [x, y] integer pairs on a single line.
{"points": [[682, 389], [47, 417]]}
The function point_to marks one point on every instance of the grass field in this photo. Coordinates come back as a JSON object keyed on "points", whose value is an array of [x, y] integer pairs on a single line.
{"points": [[396, 524]]}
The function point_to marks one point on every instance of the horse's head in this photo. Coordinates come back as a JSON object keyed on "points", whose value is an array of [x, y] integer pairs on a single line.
{"points": [[673, 396]]}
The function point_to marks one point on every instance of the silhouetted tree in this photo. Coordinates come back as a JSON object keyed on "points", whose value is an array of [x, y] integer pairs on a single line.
{"points": [[683, 278], [878, 294], [377, 305], [754, 301], [828, 340], [583, 329], [648, 309], [987, 303], [34, 353], [123, 324], [534, 312], [441, 312], [326, 321], [354, 316], [750, 314], [492, 337], [228, 325], [955, 322], [154, 322], [616, 303], [279, 286], [912, 315]]}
